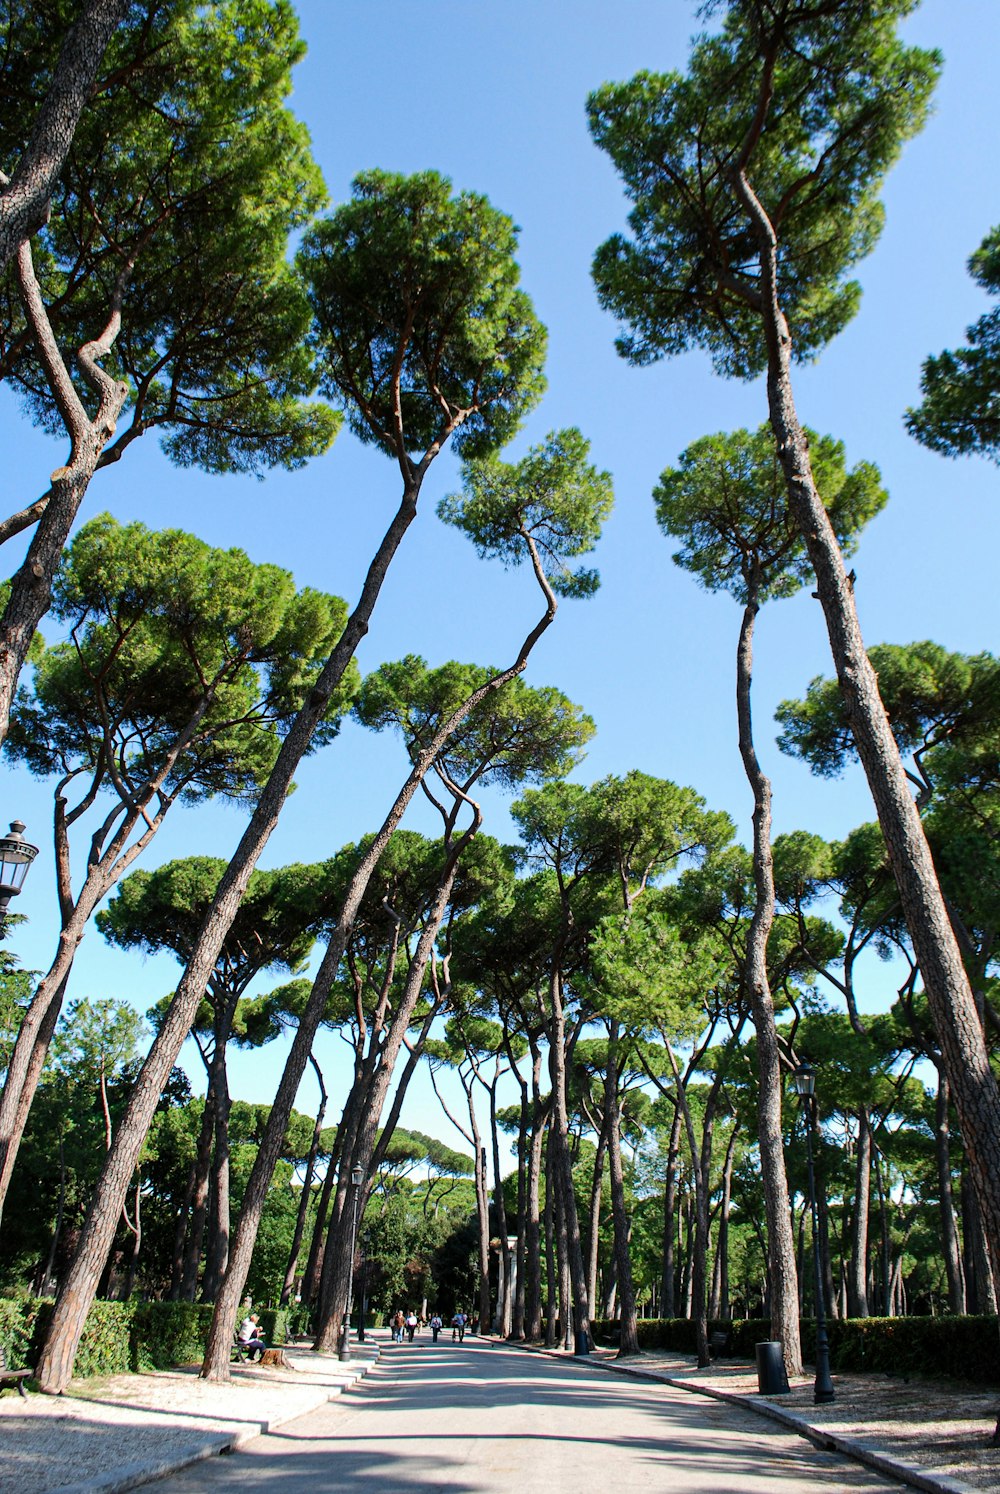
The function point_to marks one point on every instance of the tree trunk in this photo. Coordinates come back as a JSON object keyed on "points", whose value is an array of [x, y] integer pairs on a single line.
{"points": [[355, 1154], [857, 1280], [517, 1321], [218, 1239], [303, 1209], [55, 1365], [503, 1314], [559, 1131], [668, 1293], [596, 1188], [720, 1305], [823, 1220], [217, 1347], [629, 1343], [982, 1296], [949, 993], [551, 1289], [533, 1231], [199, 1200], [949, 1234], [780, 1244], [24, 201]]}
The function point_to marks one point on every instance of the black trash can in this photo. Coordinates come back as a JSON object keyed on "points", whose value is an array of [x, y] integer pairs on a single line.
{"points": [[771, 1377]]}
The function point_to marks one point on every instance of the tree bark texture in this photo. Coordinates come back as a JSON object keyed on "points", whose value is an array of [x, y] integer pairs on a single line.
{"points": [[949, 993], [563, 1167], [780, 1244], [629, 1342], [306, 1193], [31, 585], [857, 1276], [24, 201], [55, 1364], [217, 1347], [949, 1233], [668, 1289]]}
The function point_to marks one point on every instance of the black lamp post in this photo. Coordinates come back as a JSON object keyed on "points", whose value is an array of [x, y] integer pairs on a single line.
{"points": [[16, 855], [804, 1080], [344, 1351]]}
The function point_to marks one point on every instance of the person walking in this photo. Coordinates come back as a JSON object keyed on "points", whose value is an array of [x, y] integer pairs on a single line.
{"points": [[458, 1323], [398, 1324], [436, 1326], [411, 1324]]}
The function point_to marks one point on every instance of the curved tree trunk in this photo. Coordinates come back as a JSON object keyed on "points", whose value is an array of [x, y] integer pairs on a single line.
{"points": [[55, 1365], [949, 994], [563, 1167]]}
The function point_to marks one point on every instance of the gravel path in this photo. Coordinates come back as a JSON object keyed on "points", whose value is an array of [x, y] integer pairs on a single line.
{"points": [[109, 1434]]}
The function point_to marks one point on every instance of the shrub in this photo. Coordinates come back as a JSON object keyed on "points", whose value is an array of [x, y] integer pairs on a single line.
{"points": [[105, 1344], [274, 1324], [166, 1333], [20, 1333], [965, 1348]]}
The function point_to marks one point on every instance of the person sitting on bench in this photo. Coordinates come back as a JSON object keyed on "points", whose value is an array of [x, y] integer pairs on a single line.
{"points": [[249, 1336]]}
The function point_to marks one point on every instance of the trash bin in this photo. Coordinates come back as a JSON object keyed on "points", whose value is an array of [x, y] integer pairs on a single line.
{"points": [[771, 1377]]}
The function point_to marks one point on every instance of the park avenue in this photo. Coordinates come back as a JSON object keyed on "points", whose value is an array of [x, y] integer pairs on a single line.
{"points": [[476, 1418]]}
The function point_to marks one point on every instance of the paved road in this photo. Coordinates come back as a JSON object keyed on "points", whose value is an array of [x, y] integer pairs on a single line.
{"points": [[472, 1419]]}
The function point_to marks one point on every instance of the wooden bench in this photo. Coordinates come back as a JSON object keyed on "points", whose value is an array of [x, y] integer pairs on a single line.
{"points": [[10, 1376], [720, 1343], [237, 1351]]}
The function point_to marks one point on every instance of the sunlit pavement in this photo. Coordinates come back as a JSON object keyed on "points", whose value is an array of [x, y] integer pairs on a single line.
{"points": [[472, 1417]]}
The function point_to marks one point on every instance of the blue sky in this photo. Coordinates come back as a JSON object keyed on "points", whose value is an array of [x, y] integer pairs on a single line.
{"points": [[493, 96]]}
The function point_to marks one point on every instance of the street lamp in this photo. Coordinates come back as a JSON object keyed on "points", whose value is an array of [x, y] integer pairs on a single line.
{"points": [[16, 855], [344, 1351], [804, 1080]]}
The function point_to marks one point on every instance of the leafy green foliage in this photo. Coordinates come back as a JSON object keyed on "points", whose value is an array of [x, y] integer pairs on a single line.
{"points": [[817, 102], [960, 411], [168, 1333], [181, 659], [727, 503], [185, 179], [553, 495], [415, 296], [517, 734], [931, 695]]}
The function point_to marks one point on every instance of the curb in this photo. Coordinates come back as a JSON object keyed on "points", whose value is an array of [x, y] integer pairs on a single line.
{"points": [[208, 1445], [828, 1441]]}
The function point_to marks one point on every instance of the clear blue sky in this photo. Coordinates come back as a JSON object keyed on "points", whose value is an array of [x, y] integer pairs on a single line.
{"points": [[493, 96]]}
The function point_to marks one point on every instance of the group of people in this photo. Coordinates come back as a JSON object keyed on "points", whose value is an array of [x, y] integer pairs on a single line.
{"points": [[408, 1323]]}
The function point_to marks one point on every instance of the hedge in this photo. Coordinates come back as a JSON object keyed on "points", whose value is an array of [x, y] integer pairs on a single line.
{"points": [[961, 1348], [121, 1336], [166, 1333]]}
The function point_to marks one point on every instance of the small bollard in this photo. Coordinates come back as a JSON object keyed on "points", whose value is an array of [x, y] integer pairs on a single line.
{"points": [[771, 1377]]}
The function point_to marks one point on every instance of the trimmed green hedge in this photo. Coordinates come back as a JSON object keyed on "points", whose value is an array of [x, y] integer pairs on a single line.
{"points": [[965, 1348], [120, 1336], [274, 1324], [166, 1333]]}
